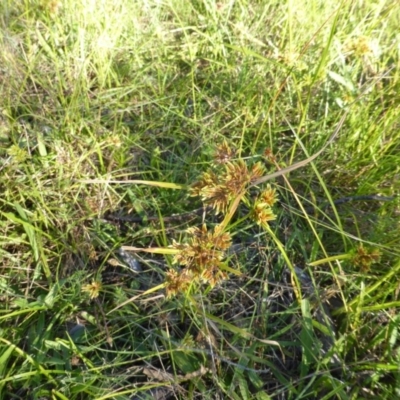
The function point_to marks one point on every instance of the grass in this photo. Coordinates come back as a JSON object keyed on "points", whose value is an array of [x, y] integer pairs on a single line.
{"points": [[96, 95]]}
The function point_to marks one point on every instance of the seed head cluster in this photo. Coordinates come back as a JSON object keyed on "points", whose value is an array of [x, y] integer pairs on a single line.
{"points": [[220, 186], [223, 186], [262, 210], [93, 289], [201, 258], [364, 257]]}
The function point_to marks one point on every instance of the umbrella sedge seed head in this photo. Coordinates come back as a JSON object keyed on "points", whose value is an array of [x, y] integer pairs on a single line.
{"points": [[223, 153], [262, 213], [257, 171], [269, 196], [236, 177], [201, 256], [364, 257], [93, 289], [178, 282]]}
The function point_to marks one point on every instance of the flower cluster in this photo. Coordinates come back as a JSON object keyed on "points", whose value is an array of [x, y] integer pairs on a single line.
{"points": [[262, 210], [219, 188], [364, 258], [201, 258], [224, 153], [93, 289], [223, 186]]}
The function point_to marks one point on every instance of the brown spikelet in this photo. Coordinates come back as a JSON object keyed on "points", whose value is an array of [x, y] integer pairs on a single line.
{"points": [[257, 171], [237, 177], [224, 153], [218, 197], [178, 282], [202, 255], [268, 196], [364, 258]]}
